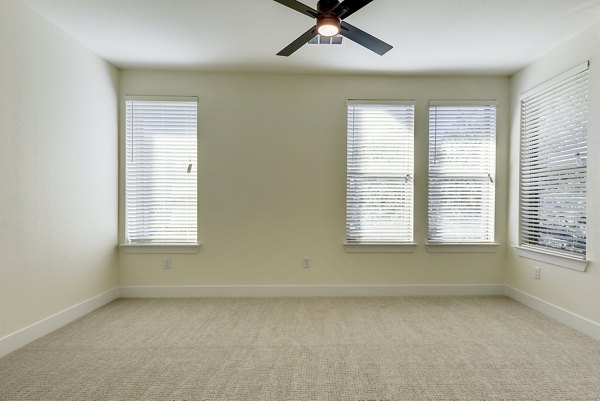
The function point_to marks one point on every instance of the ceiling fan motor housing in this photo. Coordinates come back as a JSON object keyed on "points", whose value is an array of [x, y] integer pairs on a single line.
{"points": [[325, 6]]}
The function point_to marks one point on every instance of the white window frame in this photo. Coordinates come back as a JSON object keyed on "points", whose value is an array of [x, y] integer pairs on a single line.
{"points": [[186, 150], [379, 242], [561, 84], [487, 172]]}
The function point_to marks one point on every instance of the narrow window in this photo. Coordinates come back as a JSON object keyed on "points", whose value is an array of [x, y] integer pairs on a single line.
{"points": [[161, 171], [553, 175], [462, 172], [379, 181]]}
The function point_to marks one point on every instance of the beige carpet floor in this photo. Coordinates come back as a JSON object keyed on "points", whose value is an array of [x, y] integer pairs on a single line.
{"points": [[339, 349]]}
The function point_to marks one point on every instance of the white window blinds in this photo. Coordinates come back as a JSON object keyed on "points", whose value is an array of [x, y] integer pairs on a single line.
{"points": [[161, 171], [554, 119], [379, 186], [462, 165]]}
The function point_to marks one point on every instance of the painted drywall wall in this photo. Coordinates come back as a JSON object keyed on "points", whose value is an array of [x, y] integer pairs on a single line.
{"points": [[574, 291], [272, 156], [58, 170]]}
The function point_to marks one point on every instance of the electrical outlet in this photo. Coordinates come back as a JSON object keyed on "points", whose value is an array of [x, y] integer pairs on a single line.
{"points": [[166, 264], [306, 263], [536, 272]]}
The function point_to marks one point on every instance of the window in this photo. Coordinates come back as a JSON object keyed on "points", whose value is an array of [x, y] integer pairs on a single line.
{"points": [[462, 165], [379, 182], [554, 119], [161, 171]]}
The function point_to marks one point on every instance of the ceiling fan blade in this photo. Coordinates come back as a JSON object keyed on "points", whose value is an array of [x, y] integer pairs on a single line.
{"points": [[349, 7], [364, 39], [298, 43], [296, 5]]}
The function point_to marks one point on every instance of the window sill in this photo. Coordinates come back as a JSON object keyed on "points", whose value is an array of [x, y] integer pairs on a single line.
{"points": [[552, 258], [381, 247], [160, 248], [464, 247]]}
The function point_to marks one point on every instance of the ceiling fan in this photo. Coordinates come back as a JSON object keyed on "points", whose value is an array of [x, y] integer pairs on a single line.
{"points": [[330, 15]]}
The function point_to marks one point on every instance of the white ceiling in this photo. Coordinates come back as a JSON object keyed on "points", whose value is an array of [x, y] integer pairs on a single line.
{"points": [[429, 36]]}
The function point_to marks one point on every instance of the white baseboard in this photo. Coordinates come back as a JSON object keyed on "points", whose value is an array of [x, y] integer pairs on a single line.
{"points": [[16, 340], [309, 290], [570, 319]]}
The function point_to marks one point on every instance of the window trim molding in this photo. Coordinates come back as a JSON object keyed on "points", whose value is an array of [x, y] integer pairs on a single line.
{"points": [[553, 258], [158, 98], [380, 247], [160, 248], [462, 247], [466, 102], [350, 102]]}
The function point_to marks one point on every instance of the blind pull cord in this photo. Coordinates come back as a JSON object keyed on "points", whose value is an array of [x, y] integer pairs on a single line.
{"points": [[189, 167]]}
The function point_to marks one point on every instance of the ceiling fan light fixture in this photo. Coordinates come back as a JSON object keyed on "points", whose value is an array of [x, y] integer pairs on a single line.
{"points": [[330, 18], [328, 25]]}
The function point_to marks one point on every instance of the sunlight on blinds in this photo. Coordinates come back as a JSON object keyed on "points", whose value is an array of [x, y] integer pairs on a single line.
{"points": [[379, 197], [161, 171]]}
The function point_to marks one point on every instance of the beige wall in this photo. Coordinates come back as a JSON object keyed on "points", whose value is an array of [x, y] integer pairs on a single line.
{"points": [[58, 170], [271, 178], [572, 290], [272, 181]]}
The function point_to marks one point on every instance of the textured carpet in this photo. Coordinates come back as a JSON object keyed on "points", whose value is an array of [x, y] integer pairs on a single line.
{"points": [[471, 348]]}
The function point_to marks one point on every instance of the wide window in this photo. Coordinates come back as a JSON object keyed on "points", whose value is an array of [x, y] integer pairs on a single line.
{"points": [[554, 122], [462, 165], [161, 171], [379, 186]]}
